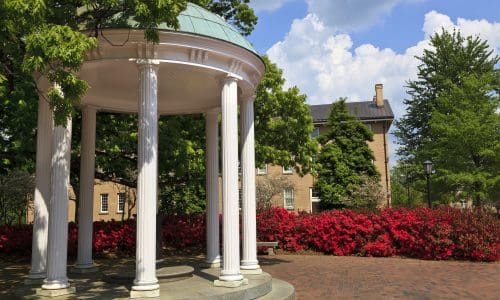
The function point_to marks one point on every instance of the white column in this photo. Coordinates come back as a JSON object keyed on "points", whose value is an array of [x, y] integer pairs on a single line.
{"points": [[230, 274], [249, 262], [146, 283], [42, 191], [84, 261], [212, 187], [58, 222]]}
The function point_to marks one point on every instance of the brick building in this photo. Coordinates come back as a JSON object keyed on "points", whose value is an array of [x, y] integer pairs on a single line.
{"points": [[376, 114]]}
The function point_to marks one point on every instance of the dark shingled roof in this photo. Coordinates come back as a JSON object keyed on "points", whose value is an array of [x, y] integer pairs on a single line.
{"points": [[365, 111]]}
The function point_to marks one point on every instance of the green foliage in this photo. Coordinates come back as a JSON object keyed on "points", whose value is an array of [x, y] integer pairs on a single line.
{"points": [[236, 12], [407, 186], [345, 158], [16, 190], [452, 117], [283, 123]]}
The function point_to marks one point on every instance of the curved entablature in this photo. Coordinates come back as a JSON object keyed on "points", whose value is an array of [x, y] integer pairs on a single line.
{"points": [[190, 70]]}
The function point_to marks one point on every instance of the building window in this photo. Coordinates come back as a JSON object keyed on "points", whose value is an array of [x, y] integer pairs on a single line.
{"points": [[314, 195], [315, 132], [104, 203], [262, 170], [121, 202], [288, 170], [369, 126], [288, 197]]}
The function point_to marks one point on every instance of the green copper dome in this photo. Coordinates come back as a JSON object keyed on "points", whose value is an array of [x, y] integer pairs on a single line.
{"points": [[196, 20]]}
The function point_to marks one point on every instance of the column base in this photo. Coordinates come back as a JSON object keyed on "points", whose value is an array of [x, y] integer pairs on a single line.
{"points": [[34, 281], [134, 294], [230, 284], [55, 284], [207, 265], [211, 264], [84, 269], [55, 292]]}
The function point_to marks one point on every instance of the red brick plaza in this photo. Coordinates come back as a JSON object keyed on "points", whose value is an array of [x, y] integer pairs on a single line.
{"points": [[322, 277]]}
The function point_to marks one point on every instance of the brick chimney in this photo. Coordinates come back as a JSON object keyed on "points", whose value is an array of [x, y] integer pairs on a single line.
{"points": [[379, 95]]}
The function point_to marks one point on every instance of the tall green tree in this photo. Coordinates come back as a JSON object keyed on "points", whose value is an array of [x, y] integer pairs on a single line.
{"points": [[345, 159], [452, 117], [283, 123]]}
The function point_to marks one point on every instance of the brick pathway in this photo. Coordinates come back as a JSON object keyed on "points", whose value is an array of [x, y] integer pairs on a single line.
{"points": [[321, 277]]}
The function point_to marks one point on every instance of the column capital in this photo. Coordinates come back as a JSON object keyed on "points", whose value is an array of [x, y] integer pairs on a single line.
{"points": [[230, 77], [146, 62], [249, 99], [215, 110], [89, 108]]}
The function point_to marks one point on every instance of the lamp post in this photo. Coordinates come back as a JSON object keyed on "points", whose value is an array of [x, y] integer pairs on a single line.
{"points": [[428, 170]]}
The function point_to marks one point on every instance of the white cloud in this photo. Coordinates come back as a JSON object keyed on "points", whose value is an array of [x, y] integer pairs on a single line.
{"points": [[352, 15], [490, 32], [435, 21], [267, 5], [324, 65]]}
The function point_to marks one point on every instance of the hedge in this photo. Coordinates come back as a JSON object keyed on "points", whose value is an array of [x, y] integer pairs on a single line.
{"points": [[443, 233]]}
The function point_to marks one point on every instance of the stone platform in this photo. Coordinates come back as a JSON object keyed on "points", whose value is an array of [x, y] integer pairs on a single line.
{"points": [[114, 281]]}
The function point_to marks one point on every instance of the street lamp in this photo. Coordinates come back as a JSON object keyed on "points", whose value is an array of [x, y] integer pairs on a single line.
{"points": [[428, 170]]}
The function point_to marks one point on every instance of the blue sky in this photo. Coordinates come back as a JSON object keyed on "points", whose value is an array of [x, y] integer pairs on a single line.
{"points": [[342, 48]]}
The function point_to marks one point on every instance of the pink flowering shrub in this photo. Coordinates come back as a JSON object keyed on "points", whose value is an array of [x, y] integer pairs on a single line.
{"points": [[443, 233]]}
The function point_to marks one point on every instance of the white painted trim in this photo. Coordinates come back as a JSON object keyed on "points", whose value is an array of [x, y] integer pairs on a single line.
{"points": [[313, 199], [100, 203], [284, 199], [287, 172], [118, 202], [260, 172]]}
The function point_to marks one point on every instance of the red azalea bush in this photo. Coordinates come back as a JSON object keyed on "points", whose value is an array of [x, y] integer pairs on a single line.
{"points": [[442, 233]]}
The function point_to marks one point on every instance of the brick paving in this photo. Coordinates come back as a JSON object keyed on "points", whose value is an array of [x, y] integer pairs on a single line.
{"points": [[334, 277], [322, 277]]}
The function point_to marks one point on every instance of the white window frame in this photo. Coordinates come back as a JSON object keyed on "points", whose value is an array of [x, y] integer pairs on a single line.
{"points": [[288, 170], [262, 170], [284, 199], [102, 197], [118, 210], [313, 199], [315, 132]]}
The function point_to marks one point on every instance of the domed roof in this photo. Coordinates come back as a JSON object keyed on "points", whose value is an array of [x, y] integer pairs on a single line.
{"points": [[197, 20]]}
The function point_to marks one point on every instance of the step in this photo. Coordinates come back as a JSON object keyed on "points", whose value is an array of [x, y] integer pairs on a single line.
{"points": [[282, 290]]}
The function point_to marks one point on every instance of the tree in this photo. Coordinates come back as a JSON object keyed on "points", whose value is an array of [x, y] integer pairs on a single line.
{"points": [[283, 123], [368, 194], [16, 191], [267, 187], [452, 117], [344, 158]]}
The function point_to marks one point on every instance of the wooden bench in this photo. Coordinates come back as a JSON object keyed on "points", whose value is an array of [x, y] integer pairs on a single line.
{"points": [[270, 246]]}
